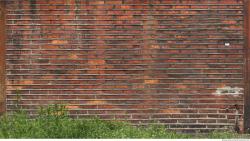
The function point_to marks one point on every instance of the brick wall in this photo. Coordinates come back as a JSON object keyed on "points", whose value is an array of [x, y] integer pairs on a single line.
{"points": [[177, 62]]}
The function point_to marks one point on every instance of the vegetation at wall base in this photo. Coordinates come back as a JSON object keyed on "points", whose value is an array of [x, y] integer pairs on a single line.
{"points": [[54, 122]]}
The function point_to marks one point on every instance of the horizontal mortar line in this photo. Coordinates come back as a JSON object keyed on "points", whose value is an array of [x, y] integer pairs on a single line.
{"points": [[229, 96], [151, 119], [132, 54], [157, 114], [204, 74], [135, 75], [226, 123], [143, 19], [129, 45], [122, 84], [149, 4], [103, 84], [198, 129], [122, 59], [32, 74], [16, 35], [111, 89], [117, 89], [125, 24], [78, 74], [118, 84], [111, 28], [117, 56], [135, 114], [136, 104], [125, 64], [207, 124], [100, 84], [119, 44], [138, 79], [162, 123], [126, 99], [194, 119], [135, 64], [80, 39], [183, 124], [141, 24], [107, 56], [125, 39], [170, 104], [183, 40], [139, 51], [152, 114], [131, 9], [171, 36], [12, 33], [172, 68], [144, 109], [168, 118], [115, 86], [120, 49], [81, 34], [124, 29], [34, 60], [16, 54], [46, 31], [123, 69], [149, 115], [134, 14], [125, 34], [73, 28], [147, 120], [108, 89], [121, 109], [122, 94]]}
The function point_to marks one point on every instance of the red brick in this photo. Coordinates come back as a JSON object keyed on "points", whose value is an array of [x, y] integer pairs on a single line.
{"points": [[125, 62]]}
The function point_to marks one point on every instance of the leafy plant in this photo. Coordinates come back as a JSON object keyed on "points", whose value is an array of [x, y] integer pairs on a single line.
{"points": [[222, 134], [54, 122]]}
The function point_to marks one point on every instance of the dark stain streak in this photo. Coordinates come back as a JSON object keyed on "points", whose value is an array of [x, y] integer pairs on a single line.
{"points": [[18, 11], [32, 8], [17, 35], [77, 2]]}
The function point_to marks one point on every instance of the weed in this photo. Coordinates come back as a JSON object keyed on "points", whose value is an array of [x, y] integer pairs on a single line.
{"points": [[54, 122]]}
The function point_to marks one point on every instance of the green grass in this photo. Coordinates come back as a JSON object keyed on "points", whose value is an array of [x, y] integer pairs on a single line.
{"points": [[19, 126], [53, 122]]}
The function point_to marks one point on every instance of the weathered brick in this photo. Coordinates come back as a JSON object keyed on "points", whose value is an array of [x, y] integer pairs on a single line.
{"points": [[127, 59]]}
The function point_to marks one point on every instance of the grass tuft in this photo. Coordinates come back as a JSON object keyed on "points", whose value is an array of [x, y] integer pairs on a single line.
{"points": [[54, 122]]}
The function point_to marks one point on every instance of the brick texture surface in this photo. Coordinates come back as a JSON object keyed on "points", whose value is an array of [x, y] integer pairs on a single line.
{"points": [[142, 61]]}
